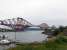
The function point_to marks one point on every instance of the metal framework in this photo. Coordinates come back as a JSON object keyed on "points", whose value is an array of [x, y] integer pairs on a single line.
{"points": [[17, 23]]}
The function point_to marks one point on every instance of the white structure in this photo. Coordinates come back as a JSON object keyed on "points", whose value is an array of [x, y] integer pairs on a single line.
{"points": [[4, 41], [5, 27], [44, 26]]}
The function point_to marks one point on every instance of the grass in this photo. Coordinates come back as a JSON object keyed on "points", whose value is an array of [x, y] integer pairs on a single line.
{"points": [[47, 46]]}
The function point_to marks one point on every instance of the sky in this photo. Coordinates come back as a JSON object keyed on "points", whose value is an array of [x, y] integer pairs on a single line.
{"points": [[52, 12]]}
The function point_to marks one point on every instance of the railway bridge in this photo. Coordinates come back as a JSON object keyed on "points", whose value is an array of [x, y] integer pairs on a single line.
{"points": [[16, 23], [20, 24]]}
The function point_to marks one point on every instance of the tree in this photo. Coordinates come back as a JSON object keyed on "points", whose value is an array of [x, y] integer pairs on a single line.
{"points": [[61, 28], [65, 31], [56, 32], [53, 27]]}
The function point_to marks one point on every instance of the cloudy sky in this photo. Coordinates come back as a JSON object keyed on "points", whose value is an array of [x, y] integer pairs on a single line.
{"points": [[52, 12]]}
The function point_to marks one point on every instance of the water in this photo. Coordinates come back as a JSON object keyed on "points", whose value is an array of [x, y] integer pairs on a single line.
{"points": [[26, 36]]}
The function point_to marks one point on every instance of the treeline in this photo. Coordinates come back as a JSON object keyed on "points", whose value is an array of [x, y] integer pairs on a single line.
{"points": [[55, 30]]}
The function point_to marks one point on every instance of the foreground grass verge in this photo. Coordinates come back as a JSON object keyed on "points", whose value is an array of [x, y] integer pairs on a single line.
{"points": [[42, 46], [47, 46]]}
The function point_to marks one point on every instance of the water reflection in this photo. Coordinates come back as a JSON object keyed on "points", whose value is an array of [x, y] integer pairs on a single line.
{"points": [[24, 37], [27, 36]]}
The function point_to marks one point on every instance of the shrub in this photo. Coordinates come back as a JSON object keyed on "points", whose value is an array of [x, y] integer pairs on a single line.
{"points": [[61, 39]]}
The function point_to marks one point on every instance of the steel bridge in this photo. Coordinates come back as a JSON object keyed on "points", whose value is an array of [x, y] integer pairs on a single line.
{"points": [[20, 24], [16, 23]]}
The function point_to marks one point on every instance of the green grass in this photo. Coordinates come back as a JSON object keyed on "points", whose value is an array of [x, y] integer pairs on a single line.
{"points": [[41, 47], [47, 46]]}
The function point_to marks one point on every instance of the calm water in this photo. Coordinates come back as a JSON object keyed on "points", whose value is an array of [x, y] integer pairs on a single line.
{"points": [[26, 37]]}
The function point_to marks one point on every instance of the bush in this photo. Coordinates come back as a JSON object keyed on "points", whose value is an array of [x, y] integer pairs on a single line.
{"points": [[61, 39], [55, 32]]}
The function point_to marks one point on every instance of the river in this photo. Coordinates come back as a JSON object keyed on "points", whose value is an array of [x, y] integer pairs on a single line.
{"points": [[26, 36]]}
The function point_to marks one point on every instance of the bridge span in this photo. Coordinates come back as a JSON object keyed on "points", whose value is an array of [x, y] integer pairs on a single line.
{"points": [[19, 23], [16, 23]]}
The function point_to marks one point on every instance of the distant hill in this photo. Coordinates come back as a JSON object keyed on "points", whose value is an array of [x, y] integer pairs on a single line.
{"points": [[43, 26]]}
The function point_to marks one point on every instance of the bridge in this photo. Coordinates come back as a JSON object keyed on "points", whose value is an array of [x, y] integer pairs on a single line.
{"points": [[16, 23], [20, 23]]}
